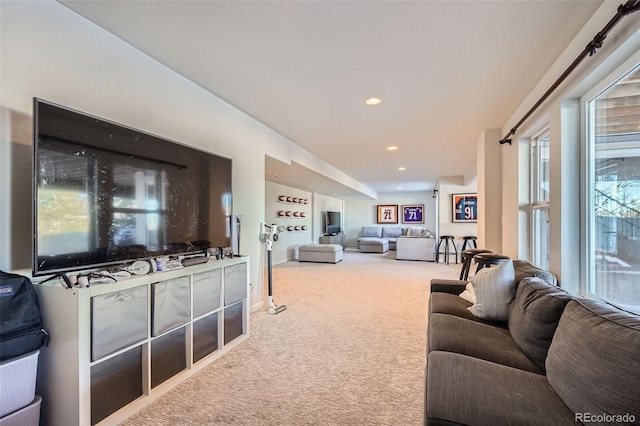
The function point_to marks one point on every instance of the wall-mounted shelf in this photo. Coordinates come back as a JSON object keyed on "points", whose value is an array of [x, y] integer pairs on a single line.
{"points": [[292, 200], [288, 214]]}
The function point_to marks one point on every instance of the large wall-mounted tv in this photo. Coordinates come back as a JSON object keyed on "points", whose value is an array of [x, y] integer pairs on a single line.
{"points": [[106, 194]]}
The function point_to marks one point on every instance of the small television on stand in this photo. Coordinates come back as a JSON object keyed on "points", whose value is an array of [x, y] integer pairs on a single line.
{"points": [[331, 223]]}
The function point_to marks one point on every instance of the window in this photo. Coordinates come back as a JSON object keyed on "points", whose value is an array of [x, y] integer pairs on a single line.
{"points": [[540, 199], [613, 192], [136, 207]]}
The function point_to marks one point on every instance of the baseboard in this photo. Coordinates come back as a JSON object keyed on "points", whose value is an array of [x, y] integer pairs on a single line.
{"points": [[257, 306]]}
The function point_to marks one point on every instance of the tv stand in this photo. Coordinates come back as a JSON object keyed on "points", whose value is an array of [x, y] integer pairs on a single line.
{"points": [[334, 239], [116, 347]]}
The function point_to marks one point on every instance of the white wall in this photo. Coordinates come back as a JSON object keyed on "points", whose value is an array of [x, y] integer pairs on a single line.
{"points": [[446, 188], [286, 248], [324, 203], [359, 213], [489, 184], [561, 112], [50, 52], [53, 53], [288, 241]]}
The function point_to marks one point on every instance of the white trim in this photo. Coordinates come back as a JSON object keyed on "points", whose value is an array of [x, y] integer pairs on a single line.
{"points": [[5, 189], [534, 188], [587, 172]]}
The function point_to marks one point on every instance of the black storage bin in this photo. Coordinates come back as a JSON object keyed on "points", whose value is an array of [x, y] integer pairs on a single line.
{"points": [[168, 356], [205, 336], [115, 383], [233, 325]]}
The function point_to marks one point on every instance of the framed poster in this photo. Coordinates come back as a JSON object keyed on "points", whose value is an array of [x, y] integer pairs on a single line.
{"points": [[413, 213], [465, 207], [388, 213]]}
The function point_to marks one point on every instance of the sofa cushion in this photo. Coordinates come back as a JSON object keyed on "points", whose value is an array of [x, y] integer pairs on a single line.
{"points": [[373, 245], [391, 231], [464, 390], [452, 304], [524, 269], [594, 362], [372, 231], [495, 288], [448, 303], [534, 316], [373, 240], [454, 334], [447, 286], [327, 248]]}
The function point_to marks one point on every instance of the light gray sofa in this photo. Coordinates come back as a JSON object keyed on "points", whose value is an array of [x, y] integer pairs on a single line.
{"points": [[416, 248], [559, 359], [373, 237]]}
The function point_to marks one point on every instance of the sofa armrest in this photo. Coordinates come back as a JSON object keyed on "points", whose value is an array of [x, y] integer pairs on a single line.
{"points": [[448, 286]]}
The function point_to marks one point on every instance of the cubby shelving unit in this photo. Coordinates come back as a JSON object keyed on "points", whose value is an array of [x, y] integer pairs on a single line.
{"points": [[116, 347]]}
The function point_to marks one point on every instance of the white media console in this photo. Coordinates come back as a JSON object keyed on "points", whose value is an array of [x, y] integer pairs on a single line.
{"points": [[116, 347]]}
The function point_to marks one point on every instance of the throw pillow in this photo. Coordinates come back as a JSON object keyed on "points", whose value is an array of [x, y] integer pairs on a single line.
{"points": [[469, 294], [524, 269], [534, 316], [495, 288], [415, 231], [425, 234]]}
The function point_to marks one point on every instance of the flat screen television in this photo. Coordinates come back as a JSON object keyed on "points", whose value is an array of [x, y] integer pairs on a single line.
{"points": [[107, 194], [332, 223]]}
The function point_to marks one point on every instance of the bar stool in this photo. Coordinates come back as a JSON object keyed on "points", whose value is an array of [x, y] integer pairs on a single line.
{"points": [[467, 257], [447, 250], [485, 260], [472, 240]]}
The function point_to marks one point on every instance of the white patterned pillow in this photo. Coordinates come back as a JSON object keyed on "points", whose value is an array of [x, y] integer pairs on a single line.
{"points": [[425, 233], [495, 289], [469, 294], [415, 231]]}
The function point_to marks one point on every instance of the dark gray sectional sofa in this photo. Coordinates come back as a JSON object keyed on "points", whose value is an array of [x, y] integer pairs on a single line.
{"points": [[558, 360]]}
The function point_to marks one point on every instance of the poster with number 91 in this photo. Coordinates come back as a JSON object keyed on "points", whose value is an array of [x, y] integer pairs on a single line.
{"points": [[465, 207]]}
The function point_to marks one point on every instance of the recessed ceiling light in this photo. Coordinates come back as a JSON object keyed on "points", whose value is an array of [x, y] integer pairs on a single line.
{"points": [[402, 169], [373, 101], [399, 187], [392, 148]]}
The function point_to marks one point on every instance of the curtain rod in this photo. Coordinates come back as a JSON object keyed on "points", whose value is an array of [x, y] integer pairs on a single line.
{"points": [[628, 8]]}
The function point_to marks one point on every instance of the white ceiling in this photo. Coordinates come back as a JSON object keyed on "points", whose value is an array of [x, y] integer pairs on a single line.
{"points": [[445, 70]]}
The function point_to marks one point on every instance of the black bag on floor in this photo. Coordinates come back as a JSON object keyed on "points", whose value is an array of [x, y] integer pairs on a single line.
{"points": [[21, 328]]}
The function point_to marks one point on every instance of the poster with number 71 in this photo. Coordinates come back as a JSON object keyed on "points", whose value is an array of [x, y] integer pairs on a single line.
{"points": [[465, 207], [413, 214]]}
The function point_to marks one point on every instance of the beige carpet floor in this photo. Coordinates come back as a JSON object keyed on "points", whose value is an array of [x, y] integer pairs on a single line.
{"points": [[349, 350]]}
